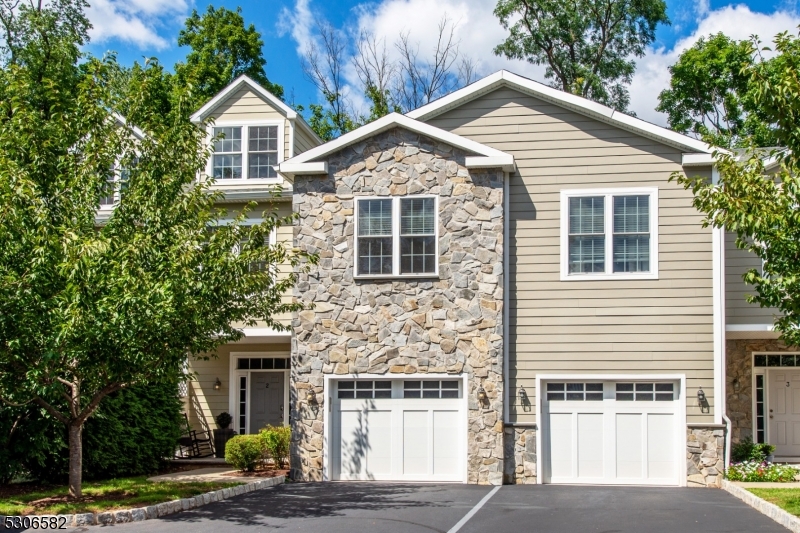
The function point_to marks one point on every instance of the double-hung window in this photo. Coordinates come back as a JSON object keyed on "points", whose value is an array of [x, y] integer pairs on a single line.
{"points": [[609, 234], [396, 237], [246, 152]]}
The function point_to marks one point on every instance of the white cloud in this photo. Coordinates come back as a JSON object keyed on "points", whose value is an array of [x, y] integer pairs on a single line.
{"points": [[738, 22], [133, 21], [480, 31], [299, 23]]}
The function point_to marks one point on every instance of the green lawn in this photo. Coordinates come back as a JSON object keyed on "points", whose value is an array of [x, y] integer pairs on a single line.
{"points": [[786, 499], [123, 493]]}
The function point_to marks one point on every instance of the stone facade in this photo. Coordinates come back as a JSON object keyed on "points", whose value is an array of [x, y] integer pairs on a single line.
{"points": [[520, 451], [739, 366], [705, 456], [390, 328]]}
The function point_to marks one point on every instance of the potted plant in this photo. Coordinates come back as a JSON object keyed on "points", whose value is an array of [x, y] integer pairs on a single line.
{"points": [[223, 434]]}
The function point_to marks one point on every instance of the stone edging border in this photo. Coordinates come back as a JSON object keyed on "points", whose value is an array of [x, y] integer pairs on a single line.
{"points": [[163, 509], [787, 520]]}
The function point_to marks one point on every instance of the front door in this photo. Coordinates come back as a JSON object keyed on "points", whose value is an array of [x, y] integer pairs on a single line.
{"points": [[266, 400], [784, 411]]}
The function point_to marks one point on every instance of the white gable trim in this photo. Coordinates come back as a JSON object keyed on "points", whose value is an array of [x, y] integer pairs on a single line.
{"points": [[234, 86], [579, 104], [487, 157]]}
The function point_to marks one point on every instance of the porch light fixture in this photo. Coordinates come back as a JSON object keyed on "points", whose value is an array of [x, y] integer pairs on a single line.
{"points": [[522, 394], [701, 396], [482, 395], [217, 385], [311, 396], [736, 385]]}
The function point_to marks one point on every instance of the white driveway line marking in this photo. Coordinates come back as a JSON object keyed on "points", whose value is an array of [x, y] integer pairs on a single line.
{"points": [[474, 510]]}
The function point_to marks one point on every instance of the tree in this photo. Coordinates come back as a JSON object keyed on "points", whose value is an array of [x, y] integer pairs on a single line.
{"points": [[388, 83], [88, 309], [709, 94], [588, 46], [758, 192], [222, 49]]}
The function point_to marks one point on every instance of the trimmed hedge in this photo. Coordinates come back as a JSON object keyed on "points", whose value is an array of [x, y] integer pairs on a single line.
{"points": [[276, 441], [131, 433]]}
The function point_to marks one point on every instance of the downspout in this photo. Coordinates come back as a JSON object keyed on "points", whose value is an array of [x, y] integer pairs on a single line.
{"points": [[506, 296]]}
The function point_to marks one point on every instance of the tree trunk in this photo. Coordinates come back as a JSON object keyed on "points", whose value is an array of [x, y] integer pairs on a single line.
{"points": [[75, 459]]}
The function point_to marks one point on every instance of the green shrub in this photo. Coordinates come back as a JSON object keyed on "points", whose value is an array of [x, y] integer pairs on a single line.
{"points": [[133, 432], [276, 441], [244, 452], [747, 450], [760, 471], [23, 439]]}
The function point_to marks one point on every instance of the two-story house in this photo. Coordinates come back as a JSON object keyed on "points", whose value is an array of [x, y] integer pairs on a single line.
{"points": [[510, 289]]}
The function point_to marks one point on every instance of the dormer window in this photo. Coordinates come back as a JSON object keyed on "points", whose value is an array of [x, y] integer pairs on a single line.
{"points": [[246, 152]]}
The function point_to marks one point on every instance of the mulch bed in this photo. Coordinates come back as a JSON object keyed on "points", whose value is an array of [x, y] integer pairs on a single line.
{"points": [[272, 472], [15, 489]]}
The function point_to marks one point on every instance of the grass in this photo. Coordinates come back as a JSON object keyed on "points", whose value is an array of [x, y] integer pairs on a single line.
{"points": [[786, 499], [112, 494]]}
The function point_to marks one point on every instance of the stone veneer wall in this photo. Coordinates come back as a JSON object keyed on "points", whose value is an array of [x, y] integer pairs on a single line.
{"points": [[520, 451], [394, 327], [705, 456], [739, 365]]}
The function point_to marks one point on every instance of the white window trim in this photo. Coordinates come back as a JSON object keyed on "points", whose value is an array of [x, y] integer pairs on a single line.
{"points": [[245, 125], [609, 219], [395, 237]]}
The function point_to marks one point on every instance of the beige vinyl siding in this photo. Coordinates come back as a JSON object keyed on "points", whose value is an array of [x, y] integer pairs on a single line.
{"points": [[204, 402], [610, 326], [737, 310], [246, 106], [302, 140], [284, 236]]}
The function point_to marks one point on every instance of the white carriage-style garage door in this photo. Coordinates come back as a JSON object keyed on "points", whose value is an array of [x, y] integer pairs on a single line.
{"points": [[615, 433], [398, 430]]}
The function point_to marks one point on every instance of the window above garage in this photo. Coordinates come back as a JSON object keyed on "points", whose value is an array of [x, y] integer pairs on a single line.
{"points": [[396, 237], [609, 234]]}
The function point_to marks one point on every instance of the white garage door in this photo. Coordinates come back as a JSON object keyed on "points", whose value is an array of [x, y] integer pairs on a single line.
{"points": [[625, 433], [398, 430]]}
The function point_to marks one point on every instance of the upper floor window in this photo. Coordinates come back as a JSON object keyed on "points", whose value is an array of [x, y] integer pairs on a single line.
{"points": [[396, 237], [246, 152], [609, 234], [116, 183]]}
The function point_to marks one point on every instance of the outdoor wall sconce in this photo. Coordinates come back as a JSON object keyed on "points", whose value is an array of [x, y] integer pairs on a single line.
{"points": [[217, 385], [482, 397], [522, 395], [736, 385], [702, 401], [311, 396]]}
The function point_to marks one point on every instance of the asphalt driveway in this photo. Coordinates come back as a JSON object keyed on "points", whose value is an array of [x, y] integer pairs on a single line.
{"points": [[401, 508]]}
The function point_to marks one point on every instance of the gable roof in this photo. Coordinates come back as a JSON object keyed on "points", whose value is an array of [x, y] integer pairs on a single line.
{"points": [[487, 157], [261, 92], [504, 78]]}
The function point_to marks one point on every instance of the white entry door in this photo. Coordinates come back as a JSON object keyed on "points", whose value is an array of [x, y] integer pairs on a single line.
{"points": [[784, 411], [398, 430], [617, 433]]}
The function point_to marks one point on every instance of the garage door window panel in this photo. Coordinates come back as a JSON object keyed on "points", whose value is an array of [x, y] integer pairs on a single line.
{"points": [[431, 389]]}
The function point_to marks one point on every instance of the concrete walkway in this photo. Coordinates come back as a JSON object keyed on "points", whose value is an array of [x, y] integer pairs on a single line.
{"points": [[205, 474]]}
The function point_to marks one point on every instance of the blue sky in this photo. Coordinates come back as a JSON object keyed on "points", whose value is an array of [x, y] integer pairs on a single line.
{"points": [[135, 29]]}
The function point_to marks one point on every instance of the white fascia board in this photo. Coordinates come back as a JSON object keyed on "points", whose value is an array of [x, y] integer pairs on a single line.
{"points": [[505, 162], [562, 99], [697, 160], [750, 327], [284, 109], [388, 122], [124, 122], [292, 169]]}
